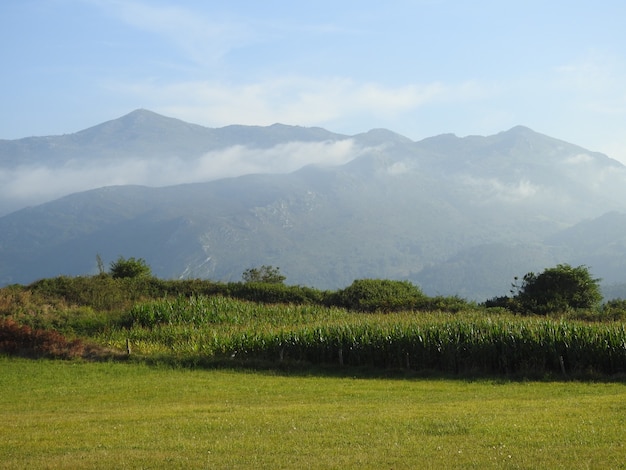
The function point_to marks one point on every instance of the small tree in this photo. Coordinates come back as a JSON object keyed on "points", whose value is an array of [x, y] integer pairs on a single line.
{"points": [[264, 274], [559, 289], [131, 267]]}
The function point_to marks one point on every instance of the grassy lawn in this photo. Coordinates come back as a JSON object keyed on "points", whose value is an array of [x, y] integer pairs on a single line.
{"points": [[116, 415]]}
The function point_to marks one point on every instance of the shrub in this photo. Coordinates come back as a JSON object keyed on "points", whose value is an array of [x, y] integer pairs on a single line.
{"points": [[23, 340], [452, 304], [370, 295], [131, 267], [559, 289], [274, 293], [264, 274], [509, 303], [614, 310]]}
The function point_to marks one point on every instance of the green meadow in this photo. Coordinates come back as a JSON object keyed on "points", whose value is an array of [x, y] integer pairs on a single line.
{"points": [[77, 414]]}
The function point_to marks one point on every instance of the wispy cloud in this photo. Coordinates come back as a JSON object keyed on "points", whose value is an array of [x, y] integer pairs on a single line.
{"points": [[597, 79], [494, 190], [30, 185], [203, 40], [593, 72], [593, 84]]}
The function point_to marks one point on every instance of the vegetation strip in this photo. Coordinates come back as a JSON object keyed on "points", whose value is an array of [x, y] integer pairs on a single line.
{"points": [[195, 323], [469, 342]]}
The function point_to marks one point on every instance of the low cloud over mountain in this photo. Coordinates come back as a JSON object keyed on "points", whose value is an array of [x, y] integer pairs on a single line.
{"points": [[147, 149], [455, 215]]}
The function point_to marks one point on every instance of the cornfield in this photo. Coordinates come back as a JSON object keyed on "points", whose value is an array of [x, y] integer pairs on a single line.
{"points": [[480, 341]]}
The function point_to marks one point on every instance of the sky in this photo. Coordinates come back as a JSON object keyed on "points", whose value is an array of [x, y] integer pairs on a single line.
{"points": [[420, 67]]}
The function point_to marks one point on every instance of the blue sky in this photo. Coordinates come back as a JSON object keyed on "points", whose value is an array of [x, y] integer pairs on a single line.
{"points": [[420, 68]]}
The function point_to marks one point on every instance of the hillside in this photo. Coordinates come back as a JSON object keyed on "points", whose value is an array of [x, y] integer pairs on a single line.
{"points": [[455, 215]]}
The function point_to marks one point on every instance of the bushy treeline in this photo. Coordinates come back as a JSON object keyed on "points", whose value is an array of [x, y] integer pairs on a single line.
{"points": [[564, 291], [366, 295]]}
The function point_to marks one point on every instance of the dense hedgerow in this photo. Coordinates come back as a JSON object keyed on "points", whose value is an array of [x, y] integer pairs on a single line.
{"points": [[108, 293], [366, 295], [274, 293]]}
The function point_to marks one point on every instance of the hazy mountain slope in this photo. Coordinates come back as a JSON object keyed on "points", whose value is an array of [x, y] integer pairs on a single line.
{"points": [[322, 226], [481, 271], [599, 243], [143, 133], [485, 271], [145, 148], [457, 215]]}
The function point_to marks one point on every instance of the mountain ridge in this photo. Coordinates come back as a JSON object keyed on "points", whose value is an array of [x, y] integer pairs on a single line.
{"points": [[457, 215]]}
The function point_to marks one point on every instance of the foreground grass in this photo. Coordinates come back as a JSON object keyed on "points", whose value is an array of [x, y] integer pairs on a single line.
{"points": [[115, 415]]}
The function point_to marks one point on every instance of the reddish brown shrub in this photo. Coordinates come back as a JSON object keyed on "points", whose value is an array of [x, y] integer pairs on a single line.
{"points": [[24, 341]]}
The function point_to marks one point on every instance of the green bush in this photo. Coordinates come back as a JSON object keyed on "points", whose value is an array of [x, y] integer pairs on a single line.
{"points": [[559, 289], [131, 267], [614, 310], [274, 293], [511, 304], [371, 295], [265, 274], [452, 304]]}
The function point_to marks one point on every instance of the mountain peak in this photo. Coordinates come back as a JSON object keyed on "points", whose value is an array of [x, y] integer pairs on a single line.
{"points": [[380, 136], [140, 124], [520, 130], [145, 117], [142, 113]]}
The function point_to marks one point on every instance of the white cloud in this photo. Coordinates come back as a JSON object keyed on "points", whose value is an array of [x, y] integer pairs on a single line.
{"points": [[601, 178], [201, 39], [579, 159], [596, 81], [398, 168], [591, 73], [495, 190], [34, 185], [282, 158]]}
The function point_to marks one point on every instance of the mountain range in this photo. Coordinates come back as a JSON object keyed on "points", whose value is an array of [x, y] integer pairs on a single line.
{"points": [[457, 216]]}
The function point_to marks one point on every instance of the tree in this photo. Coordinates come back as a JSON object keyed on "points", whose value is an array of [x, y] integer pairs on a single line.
{"points": [[264, 274], [558, 289], [131, 267]]}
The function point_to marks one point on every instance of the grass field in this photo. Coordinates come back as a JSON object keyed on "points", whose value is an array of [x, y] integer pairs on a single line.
{"points": [[61, 414]]}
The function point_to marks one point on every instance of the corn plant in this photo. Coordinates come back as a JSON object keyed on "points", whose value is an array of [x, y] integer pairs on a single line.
{"points": [[221, 328]]}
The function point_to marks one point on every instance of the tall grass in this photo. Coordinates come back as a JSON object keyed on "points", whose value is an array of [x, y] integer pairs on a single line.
{"points": [[220, 328], [454, 345]]}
